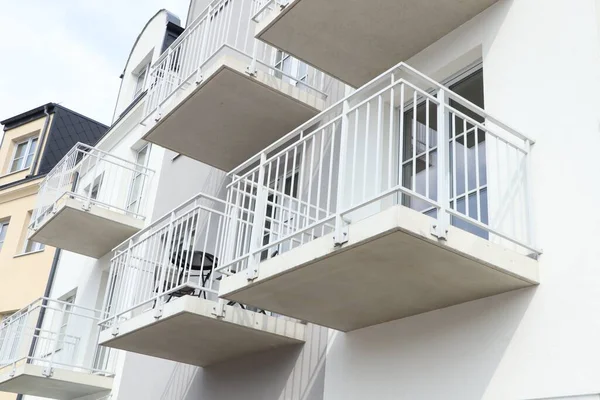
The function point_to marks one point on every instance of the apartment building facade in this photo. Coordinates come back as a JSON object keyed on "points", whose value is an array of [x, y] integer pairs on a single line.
{"points": [[338, 200], [34, 141]]}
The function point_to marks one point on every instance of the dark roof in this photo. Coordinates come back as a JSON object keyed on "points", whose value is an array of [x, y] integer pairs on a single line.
{"points": [[26, 117], [68, 128]]}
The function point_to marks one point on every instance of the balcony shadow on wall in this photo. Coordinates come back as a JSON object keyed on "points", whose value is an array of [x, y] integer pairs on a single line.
{"points": [[290, 373], [451, 353]]}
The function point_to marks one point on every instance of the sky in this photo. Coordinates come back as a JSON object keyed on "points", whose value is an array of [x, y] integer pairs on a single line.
{"points": [[70, 52]]}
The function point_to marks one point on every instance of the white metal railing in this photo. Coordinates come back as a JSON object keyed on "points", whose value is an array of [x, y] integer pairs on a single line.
{"points": [[229, 24], [175, 256], [96, 178], [400, 139], [54, 334]]}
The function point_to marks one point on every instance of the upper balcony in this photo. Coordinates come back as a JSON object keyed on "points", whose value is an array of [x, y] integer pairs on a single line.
{"points": [[219, 96], [49, 349], [90, 202], [402, 199], [355, 41], [162, 300]]}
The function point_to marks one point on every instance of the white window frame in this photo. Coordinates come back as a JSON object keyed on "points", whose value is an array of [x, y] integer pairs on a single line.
{"points": [[35, 246], [296, 65], [139, 89], [23, 160], [133, 203], [3, 232]]}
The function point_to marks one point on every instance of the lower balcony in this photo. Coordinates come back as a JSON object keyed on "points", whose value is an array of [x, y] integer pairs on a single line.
{"points": [[162, 294], [408, 199], [191, 330], [90, 202], [49, 349]]}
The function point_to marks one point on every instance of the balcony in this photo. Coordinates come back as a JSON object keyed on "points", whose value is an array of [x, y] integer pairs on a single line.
{"points": [[403, 199], [162, 294], [49, 349], [90, 202], [219, 96], [355, 41]]}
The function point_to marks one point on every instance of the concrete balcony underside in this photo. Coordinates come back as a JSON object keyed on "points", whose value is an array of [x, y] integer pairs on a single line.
{"points": [[63, 384], [230, 116], [92, 233], [355, 41], [190, 333], [391, 268]]}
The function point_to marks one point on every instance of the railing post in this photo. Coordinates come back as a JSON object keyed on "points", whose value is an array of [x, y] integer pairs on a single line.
{"points": [[203, 43], [529, 208], [258, 224], [439, 228], [163, 265], [341, 230], [93, 170]]}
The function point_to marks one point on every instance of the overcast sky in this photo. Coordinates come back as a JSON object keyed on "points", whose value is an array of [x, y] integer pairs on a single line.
{"points": [[70, 52]]}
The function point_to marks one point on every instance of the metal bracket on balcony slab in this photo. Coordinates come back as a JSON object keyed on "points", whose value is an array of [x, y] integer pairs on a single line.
{"points": [[342, 239], [438, 231], [158, 115], [115, 330], [218, 311], [199, 79], [158, 311], [48, 371], [86, 207], [252, 273], [250, 70], [13, 371]]}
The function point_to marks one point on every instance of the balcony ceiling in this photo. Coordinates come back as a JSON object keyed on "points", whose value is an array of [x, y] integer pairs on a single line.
{"points": [[356, 40]]}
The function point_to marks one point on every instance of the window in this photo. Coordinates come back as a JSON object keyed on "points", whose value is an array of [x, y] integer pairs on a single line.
{"points": [[3, 229], [140, 82], [137, 184], [24, 153], [291, 67], [94, 187], [62, 338], [31, 246]]}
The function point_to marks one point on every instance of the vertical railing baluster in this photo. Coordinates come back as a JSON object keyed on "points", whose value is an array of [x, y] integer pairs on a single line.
{"points": [[341, 234], [258, 224], [440, 228]]}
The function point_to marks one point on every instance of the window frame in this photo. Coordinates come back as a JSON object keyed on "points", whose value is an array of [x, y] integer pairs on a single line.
{"points": [[132, 205], [139, 89], [3, 229], [21, 166]]}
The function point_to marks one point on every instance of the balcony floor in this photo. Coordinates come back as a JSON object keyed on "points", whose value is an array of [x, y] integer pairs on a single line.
{"points": [[188, 332], [92, 233], [63, 384], [230, 116], [355, 41], [391, 268]]}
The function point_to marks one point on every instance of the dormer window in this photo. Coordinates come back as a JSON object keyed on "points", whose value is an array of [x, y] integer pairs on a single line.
{"points": [[23, 156]]}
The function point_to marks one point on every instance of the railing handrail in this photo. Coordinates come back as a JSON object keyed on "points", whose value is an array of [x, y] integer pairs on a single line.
{"points": [[360, 91], [79, 146], [167, 215], [39, 303]]}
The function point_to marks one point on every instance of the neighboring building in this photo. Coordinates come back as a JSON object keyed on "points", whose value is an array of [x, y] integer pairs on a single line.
{"points": [[251, 227], [33, 143]]}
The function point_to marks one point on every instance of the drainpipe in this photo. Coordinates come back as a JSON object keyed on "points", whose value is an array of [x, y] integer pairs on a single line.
{"points": [[41, 143]]}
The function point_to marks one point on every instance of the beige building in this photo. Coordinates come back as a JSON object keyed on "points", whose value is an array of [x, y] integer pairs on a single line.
{"points": [[33, 142]]}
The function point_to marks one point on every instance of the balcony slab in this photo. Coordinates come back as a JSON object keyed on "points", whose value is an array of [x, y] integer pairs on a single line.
{"points": [[188, 331], [355, 41], [231, 115], [28, 379], [93, 233], [391, 268]]}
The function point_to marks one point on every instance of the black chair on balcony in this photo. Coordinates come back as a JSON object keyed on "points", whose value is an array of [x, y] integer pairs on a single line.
{"points": [[186, 266]]}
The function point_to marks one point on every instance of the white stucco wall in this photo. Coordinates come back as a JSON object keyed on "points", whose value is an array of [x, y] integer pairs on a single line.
{"points": [[540, 71]]}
